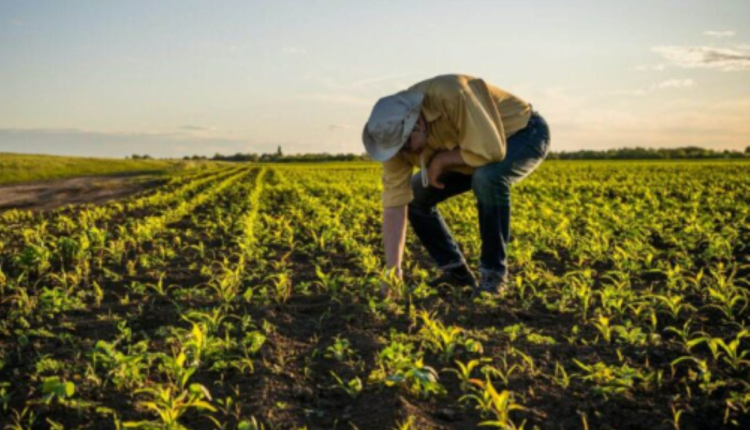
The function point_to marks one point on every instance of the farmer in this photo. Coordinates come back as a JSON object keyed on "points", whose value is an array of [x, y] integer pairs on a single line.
{"points": [[463, 134]]}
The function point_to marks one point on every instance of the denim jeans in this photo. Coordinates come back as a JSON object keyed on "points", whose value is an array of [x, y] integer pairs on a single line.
{"points": [[491, 184]]}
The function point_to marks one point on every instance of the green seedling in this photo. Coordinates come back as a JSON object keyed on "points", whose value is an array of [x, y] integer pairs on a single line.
{"points": [[352, 388]]}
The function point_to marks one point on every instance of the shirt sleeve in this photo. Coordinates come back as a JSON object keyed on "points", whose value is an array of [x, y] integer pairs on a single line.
{"points": [[481, 134], [397, 182]]}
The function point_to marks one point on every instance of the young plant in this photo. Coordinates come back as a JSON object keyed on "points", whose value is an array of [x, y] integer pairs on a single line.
{"points": [[340, 350], [400, 365], [732, 353], [443, 340], [352, 388], [170, 404], [498, 404], [602, 324], [127, 371], [464, 371], [56, 388], [561, 377]]}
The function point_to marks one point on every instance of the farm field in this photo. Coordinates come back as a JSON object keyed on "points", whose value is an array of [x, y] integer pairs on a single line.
{"points": [[246, 297], [18, 168]]}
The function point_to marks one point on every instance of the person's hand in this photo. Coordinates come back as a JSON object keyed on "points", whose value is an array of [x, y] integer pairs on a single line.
{"points": [[434, 170], [385, 289], [388, 283]]}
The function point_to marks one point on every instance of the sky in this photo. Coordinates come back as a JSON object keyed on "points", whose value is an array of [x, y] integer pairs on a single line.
{"points": [[173, 78]]}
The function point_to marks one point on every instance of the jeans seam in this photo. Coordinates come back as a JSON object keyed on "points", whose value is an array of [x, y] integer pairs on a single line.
{"points": [[541, 153]]}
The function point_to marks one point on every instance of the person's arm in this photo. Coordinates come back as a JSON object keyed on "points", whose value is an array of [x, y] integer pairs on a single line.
{"points": [[394, 237], [397, 194], [442, 161]]}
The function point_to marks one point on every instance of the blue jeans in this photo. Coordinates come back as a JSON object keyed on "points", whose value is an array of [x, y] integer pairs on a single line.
{"points": [[491, 185]]}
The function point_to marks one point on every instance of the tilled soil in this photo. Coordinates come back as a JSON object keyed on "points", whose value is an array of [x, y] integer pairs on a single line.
{"points": [[291, 383], [48, 195]]}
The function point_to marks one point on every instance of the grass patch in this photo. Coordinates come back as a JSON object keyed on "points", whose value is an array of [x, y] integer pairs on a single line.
{"points": [[17, 168]]}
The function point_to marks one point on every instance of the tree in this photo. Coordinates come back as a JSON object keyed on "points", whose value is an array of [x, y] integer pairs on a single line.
{"points": [[279, 153]]}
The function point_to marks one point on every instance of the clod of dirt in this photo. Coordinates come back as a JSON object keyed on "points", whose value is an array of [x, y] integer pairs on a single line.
{"points": [[447, 414]]}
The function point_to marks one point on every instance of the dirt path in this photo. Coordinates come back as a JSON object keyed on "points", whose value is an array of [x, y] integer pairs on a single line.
{"points": [[90, 189]]}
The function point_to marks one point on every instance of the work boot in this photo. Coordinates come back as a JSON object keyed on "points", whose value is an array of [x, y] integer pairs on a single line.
{"points": [[491, 282], [456, 277]]}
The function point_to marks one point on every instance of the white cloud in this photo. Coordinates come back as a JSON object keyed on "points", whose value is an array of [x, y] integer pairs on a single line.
{"points": [[708, 57], [649, 68], [293, 50], [675, 83], [197, 128], [719, 34], [668, 84]]}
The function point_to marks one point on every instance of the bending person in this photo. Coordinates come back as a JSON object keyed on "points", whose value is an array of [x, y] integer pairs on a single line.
{"points": [[463, 134]]}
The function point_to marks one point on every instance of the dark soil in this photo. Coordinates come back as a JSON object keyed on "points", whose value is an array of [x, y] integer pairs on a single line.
{"points": [[48, 195], [291, 385]]}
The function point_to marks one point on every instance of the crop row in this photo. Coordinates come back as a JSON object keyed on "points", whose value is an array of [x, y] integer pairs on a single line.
{"points": [[248, 298]]}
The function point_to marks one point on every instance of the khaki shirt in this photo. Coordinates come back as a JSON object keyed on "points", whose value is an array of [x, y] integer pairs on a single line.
{"points": [[464, 112]]}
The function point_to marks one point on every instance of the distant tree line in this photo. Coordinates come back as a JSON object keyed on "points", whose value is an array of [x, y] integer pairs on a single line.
{"points": [[273, 158], [688, 152], [637, 153], [280, 157]]}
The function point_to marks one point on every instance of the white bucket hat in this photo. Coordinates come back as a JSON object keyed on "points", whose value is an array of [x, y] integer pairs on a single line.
{"points": [[391, 121]]}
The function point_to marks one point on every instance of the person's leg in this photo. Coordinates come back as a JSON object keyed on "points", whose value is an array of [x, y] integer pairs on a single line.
{"points": [[491, 184], [429, 225]]}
